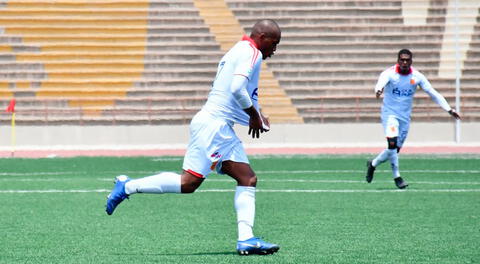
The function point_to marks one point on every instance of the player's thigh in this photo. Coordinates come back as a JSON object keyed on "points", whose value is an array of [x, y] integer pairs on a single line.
{"points": [[240, 171], [235, 164], [391, 126], [403, 129]]}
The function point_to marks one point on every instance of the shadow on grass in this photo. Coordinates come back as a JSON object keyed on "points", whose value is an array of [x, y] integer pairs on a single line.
{"points": [[226, 253]]}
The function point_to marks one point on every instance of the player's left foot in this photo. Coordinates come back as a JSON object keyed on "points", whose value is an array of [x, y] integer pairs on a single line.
{"points": [[401, 184], [256, 246], [118, 194], [370, 171]]}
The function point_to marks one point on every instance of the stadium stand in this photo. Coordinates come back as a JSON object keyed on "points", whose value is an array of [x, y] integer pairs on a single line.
{"points": [[332, 52], [152, 62], [106, 62]]}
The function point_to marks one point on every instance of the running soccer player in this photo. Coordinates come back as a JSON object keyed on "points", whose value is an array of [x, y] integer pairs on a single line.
{"points": [[398, 84], [213, 144]]}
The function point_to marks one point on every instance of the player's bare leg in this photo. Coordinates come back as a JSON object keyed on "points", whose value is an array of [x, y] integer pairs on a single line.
{"points": [[245, 207], [165, 182]]}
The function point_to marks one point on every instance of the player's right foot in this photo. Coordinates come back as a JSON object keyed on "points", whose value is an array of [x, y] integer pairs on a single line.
{"points": [[401, 184], [256, 246], [370, 171], [118, 194]]}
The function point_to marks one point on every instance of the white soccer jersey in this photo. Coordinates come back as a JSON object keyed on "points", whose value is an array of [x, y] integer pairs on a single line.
{"points": [[399, 90], [243, 59]]}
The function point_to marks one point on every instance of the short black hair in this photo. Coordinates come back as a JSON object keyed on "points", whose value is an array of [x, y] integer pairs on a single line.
{"points": [[405, 51]]}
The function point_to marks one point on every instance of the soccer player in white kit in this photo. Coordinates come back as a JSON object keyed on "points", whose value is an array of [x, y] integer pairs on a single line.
{"points": [[213, 144], [399, 84]]}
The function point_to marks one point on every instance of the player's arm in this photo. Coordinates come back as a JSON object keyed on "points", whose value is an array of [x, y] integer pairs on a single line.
{"points": [[437, 97], [240, 93], [382, 81]]}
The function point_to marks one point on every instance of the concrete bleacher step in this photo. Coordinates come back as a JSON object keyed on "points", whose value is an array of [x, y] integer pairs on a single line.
{"points": [[286, 4], [300, 11], [326, 45], [92, 53], [102, 30], [113, 48], [113, 57], [161, 37]]}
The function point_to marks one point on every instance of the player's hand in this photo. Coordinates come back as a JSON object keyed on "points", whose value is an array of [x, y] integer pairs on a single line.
{"points": [[454, 114], [256, 123], [256, 127], [378, 93]]}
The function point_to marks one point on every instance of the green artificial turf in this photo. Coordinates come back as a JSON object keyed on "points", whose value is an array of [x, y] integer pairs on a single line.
{"points": [[318, 209]]}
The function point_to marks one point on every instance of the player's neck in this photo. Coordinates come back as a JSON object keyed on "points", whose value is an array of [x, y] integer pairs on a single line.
{"points": [[399, 70]]}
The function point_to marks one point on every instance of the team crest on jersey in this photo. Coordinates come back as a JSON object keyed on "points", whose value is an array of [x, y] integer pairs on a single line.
{"points": [[215, 156], [412, 81]]}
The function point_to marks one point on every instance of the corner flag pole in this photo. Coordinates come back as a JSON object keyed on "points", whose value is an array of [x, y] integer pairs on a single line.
{"points": [[11, 108]]}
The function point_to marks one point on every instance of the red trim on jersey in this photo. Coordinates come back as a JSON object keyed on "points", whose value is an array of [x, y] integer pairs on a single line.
{"points": [[254, 47], [249, 39], [196, 174], [255, 55], [397, 70]]}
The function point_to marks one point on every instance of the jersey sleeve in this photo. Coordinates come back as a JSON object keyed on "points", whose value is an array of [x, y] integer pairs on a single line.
{"points": [[246, 62], [436, 96], [383, 79]]}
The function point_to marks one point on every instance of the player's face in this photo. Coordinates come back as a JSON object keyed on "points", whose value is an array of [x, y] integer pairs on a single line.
{"points": [[268, 45], [404, 62]]}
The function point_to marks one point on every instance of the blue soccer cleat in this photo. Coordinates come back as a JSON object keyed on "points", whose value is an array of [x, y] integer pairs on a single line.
{"points": [[118, 194], [257, 246]]}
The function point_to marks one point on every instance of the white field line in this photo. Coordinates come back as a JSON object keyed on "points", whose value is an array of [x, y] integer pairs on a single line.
{"points": [[261, 190], [262, 180], [337, 181], [363, 171], [258, 172]]}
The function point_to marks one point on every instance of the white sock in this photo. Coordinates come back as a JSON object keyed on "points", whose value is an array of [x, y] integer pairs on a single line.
{"points": [[381, 158], [394, 163], [165, 182], [245, 207]]}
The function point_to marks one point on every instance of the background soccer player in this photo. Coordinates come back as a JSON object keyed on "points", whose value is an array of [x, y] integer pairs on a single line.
{"points": [[398, 84], [213, 143]]}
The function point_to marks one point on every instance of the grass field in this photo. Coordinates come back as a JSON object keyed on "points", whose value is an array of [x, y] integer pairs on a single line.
{"points": [[317, 208]]}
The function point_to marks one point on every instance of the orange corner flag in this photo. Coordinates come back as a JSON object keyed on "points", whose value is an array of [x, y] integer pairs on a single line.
{"points": [[11, 106]]}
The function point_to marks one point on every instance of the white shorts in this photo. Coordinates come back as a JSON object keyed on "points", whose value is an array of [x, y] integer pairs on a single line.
{"points": [[212, 141], [394, 127]]}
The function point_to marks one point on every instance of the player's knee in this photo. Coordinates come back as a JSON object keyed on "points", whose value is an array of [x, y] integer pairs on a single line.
{"points": [[392, 143], [189, 183], [252, 181], [248, 180], [189, 188]]}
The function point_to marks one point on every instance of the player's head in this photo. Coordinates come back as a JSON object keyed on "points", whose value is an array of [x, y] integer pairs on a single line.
{"points": [[404, 60], [267, 34]]}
